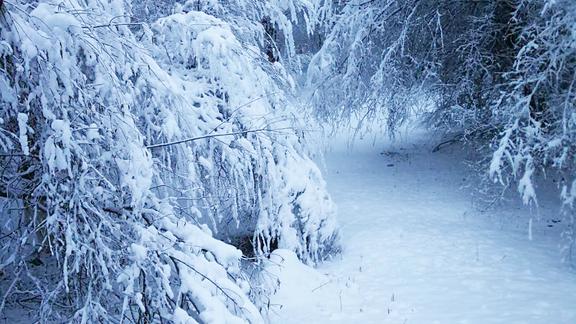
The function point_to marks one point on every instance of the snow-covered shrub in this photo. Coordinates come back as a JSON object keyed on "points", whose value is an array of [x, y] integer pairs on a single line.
{"points": [[120, 140], [258, 181], [378, 61], [539, 99]]}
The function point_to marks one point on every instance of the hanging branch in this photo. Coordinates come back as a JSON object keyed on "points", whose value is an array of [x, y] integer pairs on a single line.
{"points": [[192, 139]]}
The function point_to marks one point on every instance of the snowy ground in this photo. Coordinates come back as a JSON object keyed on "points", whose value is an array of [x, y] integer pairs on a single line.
{"points": [[417, 251]]}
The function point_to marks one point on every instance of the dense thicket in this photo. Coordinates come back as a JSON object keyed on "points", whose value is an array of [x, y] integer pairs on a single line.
{"points": [[133, 146], [497, 71]]}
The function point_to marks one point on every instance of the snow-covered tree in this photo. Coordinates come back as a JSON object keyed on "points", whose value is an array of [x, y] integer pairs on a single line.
{"points": [[132, 149]]}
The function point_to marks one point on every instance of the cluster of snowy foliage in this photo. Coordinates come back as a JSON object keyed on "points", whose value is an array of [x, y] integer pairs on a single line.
{"points": [[271, 25], [497, 71], [135, 149], [537, 107]]}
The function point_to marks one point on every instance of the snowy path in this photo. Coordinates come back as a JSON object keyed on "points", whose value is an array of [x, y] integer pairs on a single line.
{"points": [[415, 253]]}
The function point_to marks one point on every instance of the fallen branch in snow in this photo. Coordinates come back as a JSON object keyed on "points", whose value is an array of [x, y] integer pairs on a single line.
{"points": [[465, 136], [322, 285], [446, 143], [153, 146]]}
